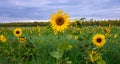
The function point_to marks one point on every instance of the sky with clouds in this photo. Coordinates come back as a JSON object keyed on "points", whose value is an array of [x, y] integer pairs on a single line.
{"points": [[13, 10]]}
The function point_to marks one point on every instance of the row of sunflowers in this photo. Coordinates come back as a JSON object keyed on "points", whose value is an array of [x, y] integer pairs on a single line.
{"points": [[60, 43]]}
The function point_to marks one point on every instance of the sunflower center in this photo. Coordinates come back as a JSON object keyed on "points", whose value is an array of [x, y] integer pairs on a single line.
{"points": [[60, 20], [17, 32], [99, 40]]}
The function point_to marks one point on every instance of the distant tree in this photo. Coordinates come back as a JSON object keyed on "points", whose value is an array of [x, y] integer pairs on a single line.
{"points": [[82, 19]]}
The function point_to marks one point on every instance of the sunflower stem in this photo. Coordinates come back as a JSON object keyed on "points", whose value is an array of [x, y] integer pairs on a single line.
{"points": [[57, 47], [58, 37]]}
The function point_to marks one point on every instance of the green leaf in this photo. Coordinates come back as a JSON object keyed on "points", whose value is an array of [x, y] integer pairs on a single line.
{"points": [[68, 62], [57, 54], [101, 62]]}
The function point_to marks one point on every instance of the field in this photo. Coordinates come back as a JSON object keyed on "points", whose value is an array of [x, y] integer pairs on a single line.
{"points": [[41, 45]]}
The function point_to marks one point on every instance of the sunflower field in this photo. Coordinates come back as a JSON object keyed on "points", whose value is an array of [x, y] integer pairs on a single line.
{"points": [[60, 43]]}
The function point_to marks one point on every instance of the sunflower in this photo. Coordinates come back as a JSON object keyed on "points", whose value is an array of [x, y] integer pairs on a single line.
{"points": [[38, 28], [3, 38], [22, 39], [99, 40], [17, 32], [76, 37], [75, 22], [59, 21], [31, 31], [115, 36], [91, 56], [107, 30], [94, 56], [111, 41], [108, 35]]}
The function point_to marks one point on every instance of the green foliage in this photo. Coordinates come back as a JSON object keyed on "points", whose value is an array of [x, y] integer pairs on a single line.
{"points": [[45, 47]]}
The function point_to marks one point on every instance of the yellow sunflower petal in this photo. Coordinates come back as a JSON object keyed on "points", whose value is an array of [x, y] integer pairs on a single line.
{"points": [[66, 15], [60, 12]]}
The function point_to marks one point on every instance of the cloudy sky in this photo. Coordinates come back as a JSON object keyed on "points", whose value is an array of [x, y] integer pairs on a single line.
{"points": [[42, 9]]}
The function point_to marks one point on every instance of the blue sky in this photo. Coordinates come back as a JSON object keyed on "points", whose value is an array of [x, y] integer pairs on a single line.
{"points": [[13, 10]]}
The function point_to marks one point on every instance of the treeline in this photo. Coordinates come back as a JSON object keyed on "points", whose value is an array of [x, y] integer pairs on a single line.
{"points": [[79, 22], [102, 22], [96, 22], [24, 24]]}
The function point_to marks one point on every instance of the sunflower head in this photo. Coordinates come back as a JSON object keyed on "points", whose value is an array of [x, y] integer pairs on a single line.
{"points": [[107, 30], [94, 56], [99, 40], [22, 39], [38, 28], [17, 32], [59, 21], [108, 35], [91, 56], [115, 36], [3, 38], [76, 37]]}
